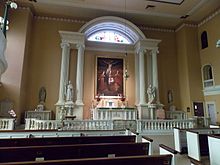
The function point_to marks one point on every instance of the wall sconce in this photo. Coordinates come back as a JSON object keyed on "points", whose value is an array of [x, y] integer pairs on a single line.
{"points": [[218, 44]]}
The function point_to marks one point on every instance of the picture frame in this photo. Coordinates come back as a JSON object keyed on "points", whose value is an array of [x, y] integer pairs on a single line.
{"points": [[109, 77]]}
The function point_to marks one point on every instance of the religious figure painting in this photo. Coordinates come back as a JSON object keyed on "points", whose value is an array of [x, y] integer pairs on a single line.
{"points": [[109, 77]]}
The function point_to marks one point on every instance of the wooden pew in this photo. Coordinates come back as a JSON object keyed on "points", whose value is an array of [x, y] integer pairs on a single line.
{"points": [[55, 152], [131, 160], [176, 156], [15, 142], [57, 133], [197, 145], [180, 140], [214, 149]]}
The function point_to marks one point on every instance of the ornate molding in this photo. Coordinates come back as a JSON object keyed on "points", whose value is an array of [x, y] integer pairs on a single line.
{"points": [[187, 25], [210, 17], [60, 19], [157, 29]]}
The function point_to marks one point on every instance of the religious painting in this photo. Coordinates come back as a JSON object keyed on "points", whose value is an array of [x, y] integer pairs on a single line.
{"points": [[109, 80]]}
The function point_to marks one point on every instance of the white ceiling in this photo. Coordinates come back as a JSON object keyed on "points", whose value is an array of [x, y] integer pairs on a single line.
{"points": [[165, 13]]}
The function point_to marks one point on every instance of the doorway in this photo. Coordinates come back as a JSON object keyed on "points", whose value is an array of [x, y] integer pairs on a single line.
{"points": [[198, 108], [211, 111]]}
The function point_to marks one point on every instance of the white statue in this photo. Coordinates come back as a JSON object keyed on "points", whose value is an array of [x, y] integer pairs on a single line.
{"points": [[151, 92], [69, 92]]}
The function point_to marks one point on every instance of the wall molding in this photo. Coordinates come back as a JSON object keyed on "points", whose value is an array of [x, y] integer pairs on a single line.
{"points": [[169, 30], [209, 91], [186, 25], [208, 18], [60, 19]]}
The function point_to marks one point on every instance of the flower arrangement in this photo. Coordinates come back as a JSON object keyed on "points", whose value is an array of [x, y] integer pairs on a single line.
{"points": [[97, 97], [12, 113]]}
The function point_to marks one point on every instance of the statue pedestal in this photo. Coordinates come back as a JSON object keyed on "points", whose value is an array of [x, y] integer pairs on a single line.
{"points": [[59, 110], [69, 108], [143, 112], [78, 111], [152, 108]]}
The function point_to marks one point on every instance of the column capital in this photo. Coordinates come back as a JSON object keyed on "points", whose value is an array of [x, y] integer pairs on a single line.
{"points": [[80, 45], [65, 44], [140, 50], [155, 51]]}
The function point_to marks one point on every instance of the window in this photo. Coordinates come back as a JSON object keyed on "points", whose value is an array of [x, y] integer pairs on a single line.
{"points": [[204, 40], [109, 36], [207, 76]]}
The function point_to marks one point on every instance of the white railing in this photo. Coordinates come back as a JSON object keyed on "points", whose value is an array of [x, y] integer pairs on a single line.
{"points": [[142, 126], [114, 114], [88, 125], [163, 125], [35, 124], [176, 115], [7, 124]]}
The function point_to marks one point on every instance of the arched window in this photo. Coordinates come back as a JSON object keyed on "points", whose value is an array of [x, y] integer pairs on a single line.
{"points": [[109, 36], [204, 40], [207, 76]]}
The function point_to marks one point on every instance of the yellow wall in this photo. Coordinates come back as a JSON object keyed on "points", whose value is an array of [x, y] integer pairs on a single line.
{"points": [[211, 55], [36, 44], [167, 66], [17, 45], [189, 68]]}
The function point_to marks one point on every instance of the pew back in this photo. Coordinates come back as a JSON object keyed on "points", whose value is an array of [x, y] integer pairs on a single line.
{"points": [[180, 141], [15, 142], [140, 160], [55, 152], [214, 149]]}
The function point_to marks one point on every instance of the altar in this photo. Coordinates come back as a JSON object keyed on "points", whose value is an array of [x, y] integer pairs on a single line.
{"points": [[114, 113]]}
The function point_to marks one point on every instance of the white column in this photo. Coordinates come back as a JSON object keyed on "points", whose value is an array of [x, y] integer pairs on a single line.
{"points": [[142, 99], [149, 69], [63, 72], [79, 74], [155, 73], [137, 94]]}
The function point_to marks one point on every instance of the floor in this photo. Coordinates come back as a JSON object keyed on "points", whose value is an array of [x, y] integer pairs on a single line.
{"points": [[167, 140]]}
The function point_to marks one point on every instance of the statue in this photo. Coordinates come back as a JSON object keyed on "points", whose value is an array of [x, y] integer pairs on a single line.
{"points": [[42, 95], [151, 92], [69, 92]]}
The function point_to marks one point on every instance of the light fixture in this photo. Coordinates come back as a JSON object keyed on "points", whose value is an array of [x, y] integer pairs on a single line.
{"points": [[4, 24], [218, 44]]}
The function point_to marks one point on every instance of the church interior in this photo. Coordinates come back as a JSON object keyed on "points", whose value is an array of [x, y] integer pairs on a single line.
{"points": [[34, 53], [119, 62]]}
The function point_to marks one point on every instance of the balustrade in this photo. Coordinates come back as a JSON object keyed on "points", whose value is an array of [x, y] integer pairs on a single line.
{"points": [[142, 126], [164, 125], [7, 124]]}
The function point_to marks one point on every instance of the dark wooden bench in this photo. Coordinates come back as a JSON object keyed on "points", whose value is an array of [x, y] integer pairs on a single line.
{"points": [[55, 152], [130, 160], [15, 142]]}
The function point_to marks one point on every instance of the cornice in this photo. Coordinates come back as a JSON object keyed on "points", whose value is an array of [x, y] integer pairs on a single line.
{"points": [[210, 17], [169, 30], [186, 25], [60, 19], [83, 22], [204, 21], [157, 29]]}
